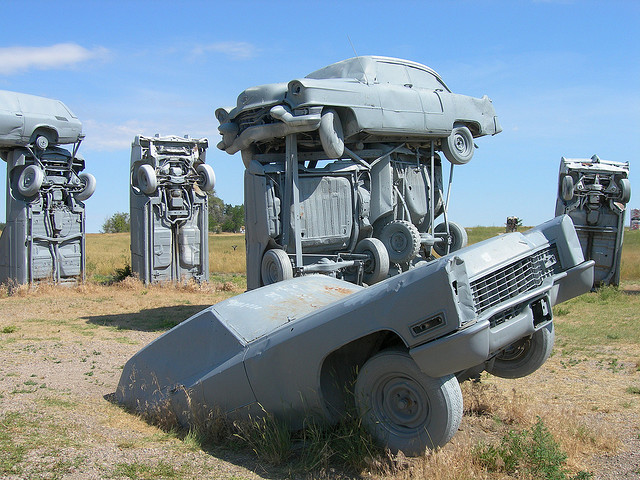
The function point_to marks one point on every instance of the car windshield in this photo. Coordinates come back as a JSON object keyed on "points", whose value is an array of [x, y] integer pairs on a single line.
{"points": [[358, 68]]}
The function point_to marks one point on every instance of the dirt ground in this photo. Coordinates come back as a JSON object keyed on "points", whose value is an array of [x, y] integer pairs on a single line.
{"points": [[62, 351]]}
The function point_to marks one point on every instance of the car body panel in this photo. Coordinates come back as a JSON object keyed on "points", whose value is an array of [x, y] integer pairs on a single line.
{"points": [[21, 115], [450, 314]]}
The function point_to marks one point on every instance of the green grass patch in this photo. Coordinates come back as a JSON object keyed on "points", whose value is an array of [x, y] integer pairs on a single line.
{"points": [[9, 329], [532, 452], [21, 433], [606, 317]]}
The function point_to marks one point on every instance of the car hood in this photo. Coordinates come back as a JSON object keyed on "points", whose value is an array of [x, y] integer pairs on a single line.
{"points": [[260, 96]]}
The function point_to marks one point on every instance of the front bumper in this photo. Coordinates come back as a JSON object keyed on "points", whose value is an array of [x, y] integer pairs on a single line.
{"points": [[527, 313]]}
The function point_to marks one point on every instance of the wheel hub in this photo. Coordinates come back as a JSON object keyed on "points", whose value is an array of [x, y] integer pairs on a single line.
{"points": [[399, 242], [403, 404]]}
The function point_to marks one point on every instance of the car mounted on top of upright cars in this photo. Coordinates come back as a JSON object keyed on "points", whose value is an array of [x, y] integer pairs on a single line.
{"points": [[368, 99]]}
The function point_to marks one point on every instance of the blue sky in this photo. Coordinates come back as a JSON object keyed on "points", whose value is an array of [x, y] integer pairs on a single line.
{"points": [[564, 77]]}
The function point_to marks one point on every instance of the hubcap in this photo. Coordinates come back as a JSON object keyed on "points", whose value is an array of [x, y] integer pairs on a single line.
{"points": [[402, 404], [461, 143], [398, 242]]}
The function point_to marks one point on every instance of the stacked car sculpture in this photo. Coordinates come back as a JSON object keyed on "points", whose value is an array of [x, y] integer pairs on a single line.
{"points": [[44, 236], [343, 174]]}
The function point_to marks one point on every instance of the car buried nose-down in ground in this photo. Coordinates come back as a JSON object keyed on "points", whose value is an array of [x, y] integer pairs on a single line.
{"points": [[291, 348]]}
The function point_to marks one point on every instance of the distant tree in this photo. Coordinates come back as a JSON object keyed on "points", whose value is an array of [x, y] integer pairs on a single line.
{"points": [[216, 212], [233, 218], [2, 225], [118, 222]]}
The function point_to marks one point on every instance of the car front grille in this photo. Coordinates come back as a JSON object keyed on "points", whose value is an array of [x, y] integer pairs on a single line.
{"points": [[518, 277], [250, 118]]}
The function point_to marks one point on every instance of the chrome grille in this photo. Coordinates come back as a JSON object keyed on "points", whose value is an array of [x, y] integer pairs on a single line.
{"points": [[514, 279]]}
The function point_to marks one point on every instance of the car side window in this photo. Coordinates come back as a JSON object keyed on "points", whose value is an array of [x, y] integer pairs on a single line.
{"points": [[9, 102], [422, 79], [391, 73]]}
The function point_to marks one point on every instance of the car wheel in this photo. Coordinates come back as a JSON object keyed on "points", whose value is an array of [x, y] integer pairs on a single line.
{"points": [[207, 177], [404, 409], [331, 134], [457, 238], [376, 268], [458, 147], [276, 266], [30, 180], [525, 356], [42, 142], [89, 182], [625, 190], [567, 188], [402, 240], [147, 180]]}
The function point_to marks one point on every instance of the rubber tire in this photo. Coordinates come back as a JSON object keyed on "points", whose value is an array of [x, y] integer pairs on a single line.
{"points": [[524, 356], [459, 238], [625, 190], [89, 186], [437, 404], [331, 134], [207, 180], [30, 180], [402, 241], [458, 147], [377, 267], [42, 142], [147, 179], [567, 188], [275, 267]]}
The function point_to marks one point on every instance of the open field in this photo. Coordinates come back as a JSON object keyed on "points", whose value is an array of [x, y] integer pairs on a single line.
{"points": [[62, 350]]}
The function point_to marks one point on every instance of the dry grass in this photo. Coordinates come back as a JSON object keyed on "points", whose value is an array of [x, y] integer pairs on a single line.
{"points": [[62, 349], [109, 252]]}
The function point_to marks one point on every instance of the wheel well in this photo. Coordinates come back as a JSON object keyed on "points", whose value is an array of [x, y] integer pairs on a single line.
{"points": [[348, 119], [340, 369], [473, 127], [48, 132]]}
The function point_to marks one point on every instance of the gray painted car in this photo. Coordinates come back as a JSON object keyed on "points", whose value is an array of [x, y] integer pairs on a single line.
{"points": [[168, 204], [29, 119], [294, 347], [360, 100], [595, 193]]}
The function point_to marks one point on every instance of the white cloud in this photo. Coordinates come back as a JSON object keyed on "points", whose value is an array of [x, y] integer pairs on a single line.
{"points": [[236, 50], [61, 55]]}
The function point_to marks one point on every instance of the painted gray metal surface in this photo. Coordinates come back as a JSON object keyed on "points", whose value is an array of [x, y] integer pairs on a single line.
{"points": [[23, 117], [594, 193], [286, 346], [377, 99], [341, 202], [169, 221], [44, 237]]}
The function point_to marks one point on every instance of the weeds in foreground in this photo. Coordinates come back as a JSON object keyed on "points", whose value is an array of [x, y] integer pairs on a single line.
{"points": [[534, 452]]}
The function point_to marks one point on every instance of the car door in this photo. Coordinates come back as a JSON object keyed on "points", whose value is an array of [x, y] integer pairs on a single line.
{"points": [[11, 118], [434, 98], [400, 102]]}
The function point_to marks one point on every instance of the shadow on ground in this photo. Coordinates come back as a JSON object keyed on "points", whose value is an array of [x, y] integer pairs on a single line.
{"points": [[149, 320]]}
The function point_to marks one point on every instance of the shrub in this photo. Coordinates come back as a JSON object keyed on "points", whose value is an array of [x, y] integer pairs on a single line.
{"points": [[117, 223]]}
